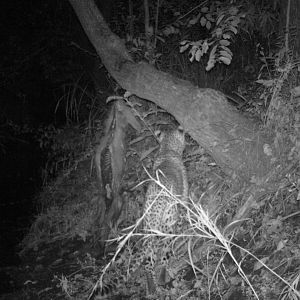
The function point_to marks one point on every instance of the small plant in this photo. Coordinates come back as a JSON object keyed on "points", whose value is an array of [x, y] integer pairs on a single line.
{"points": [[200, 226], [290, 292], [223, 25]]}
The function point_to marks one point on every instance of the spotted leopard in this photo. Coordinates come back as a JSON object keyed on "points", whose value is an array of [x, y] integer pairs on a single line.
{"points": [[161, 209], [149, 266]]}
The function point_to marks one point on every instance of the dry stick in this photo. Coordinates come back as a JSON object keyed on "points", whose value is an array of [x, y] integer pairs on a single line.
{"points": [[269, 269], [156, 23], [147, 25], [225, 243], [131, 19], [287, 26]]}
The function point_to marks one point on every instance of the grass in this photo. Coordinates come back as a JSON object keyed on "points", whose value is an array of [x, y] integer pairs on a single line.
{"points": [[199, 226]]}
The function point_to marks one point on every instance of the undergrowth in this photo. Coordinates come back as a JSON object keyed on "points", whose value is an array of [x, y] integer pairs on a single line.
{"points": [[214, 258]]}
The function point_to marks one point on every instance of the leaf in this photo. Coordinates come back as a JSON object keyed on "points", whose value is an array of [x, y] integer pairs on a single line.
{"points": [[226, 36], [135, 43], [225, 60], [210, 18], [225, 54], [195, 20], [219, 32], [281, 245], [296, 91], [78, 276], [233, 29], [227, 49], [183, 48], [205, 46], [198, 284], [204, 9], [208, 25], [220, 18], [212, 59], [193, 52], [267, 150], [259, 264], [235, 22], [213, 51], [198, 55], [167, 31], [160, 39], [233, 11], [203, 21], [224, 43], [267, 83], [210, 64]]}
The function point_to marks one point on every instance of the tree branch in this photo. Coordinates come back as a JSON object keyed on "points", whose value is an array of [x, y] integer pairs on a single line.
{"points": [[232, 139]]}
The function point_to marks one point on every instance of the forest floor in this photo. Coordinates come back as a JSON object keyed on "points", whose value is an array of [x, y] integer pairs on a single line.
{"points": [[61, 260]]}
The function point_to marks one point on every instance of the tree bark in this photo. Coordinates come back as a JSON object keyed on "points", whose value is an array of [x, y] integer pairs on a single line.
{"points": [[233, 139], [289, 17]]}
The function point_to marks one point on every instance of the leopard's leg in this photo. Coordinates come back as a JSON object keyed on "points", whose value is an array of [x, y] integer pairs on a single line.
{"points": [[150, 260], [163, 276]]}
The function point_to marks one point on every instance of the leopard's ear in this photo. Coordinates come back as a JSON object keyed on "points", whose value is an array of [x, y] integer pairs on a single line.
{"points": [[180, 129], [159, 135]]}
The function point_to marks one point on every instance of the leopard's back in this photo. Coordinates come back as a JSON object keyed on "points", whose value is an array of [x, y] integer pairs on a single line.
{"points": [[171, 172]]}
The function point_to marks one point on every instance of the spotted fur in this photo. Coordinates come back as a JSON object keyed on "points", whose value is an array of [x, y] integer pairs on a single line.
{"points": [[161, 210]]}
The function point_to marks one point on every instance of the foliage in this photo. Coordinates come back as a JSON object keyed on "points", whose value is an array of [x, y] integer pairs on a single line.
{"points": [[11, 132], [275, 239], [202, 29], [224, 25], [67, 208], [62, 148], [265, 245], [282, 101], [122, 272]]}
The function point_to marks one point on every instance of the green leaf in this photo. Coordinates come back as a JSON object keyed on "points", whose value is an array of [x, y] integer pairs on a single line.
{"points": [[219, 32], [183, 48], [212, 59], [226, 36], [259, 264], [203, 21], [208, 25], [233, 11], [209, 17], [233, 29], [192, 53], [227, 50], [224, 43], [225, 60], [220, 18], [198, 55], [204, 9], [225, 54], [267, 83], [195, 20]]}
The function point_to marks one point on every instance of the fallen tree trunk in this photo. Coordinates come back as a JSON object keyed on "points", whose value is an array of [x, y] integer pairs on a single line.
{"points": [[233, 139]]}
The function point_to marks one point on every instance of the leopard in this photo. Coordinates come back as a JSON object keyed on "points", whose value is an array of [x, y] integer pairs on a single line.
{"points": [[149, 263], [161, 207]]}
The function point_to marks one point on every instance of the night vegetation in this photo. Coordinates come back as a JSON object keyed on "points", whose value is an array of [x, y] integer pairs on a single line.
{"points": [[85, 88]]}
